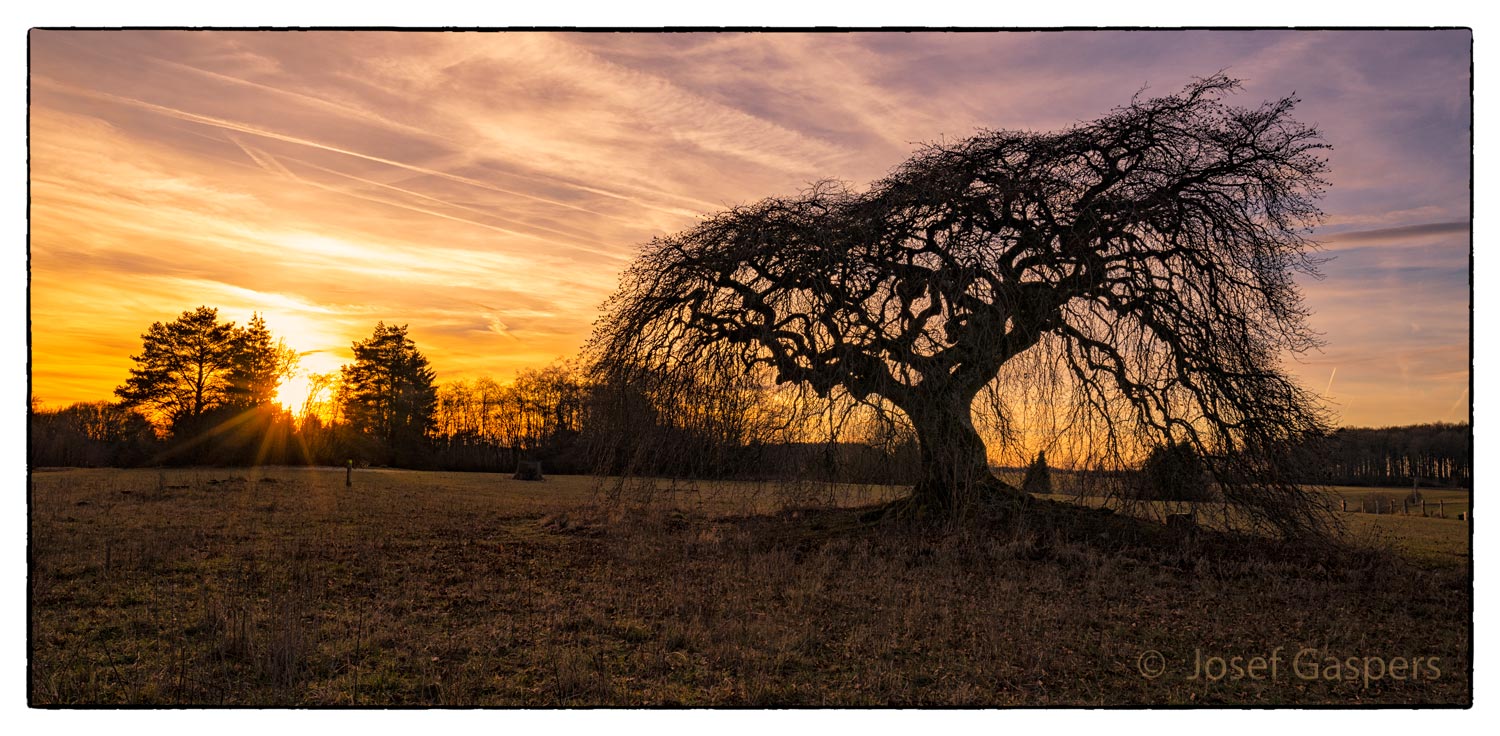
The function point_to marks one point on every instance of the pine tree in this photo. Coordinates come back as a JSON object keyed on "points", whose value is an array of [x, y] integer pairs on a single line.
{"points": [[258, 366], [183, 369], [389, 394], [1038, 477], [213, 385]]}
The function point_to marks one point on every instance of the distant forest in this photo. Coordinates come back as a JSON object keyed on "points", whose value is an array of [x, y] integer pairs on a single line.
{"points": [[202, 393], [1432, 454]]}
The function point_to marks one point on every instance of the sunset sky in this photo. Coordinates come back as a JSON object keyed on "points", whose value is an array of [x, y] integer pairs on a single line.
{"points": [[487, 188]]}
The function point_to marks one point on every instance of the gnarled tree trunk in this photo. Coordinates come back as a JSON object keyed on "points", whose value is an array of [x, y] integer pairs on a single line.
{"points": [[955, 466]]}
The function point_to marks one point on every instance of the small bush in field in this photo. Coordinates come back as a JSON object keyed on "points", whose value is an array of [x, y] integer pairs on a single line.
{"points": [[1038, 478], [1173, 472]]}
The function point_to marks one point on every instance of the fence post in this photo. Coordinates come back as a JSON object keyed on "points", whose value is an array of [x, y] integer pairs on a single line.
{"points": [[1442, 514], [1424, 508], [349, 473], [1344, 504], [1404, 507]]}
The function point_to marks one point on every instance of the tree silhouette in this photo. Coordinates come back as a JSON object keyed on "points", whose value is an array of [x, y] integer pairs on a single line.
{"points": [[1144, 262], [1173, 472], [1038, 478], [183, 370], [89, 434], [258, 365], [388, 394], [213, 385]]}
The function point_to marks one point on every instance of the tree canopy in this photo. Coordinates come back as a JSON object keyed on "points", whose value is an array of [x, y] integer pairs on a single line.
{"points": [[259, 365], [196, 364], [388, 393], [1142, 264], [1173, 472]]}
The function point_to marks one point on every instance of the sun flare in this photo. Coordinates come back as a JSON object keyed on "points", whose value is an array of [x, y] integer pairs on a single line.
{"points": [[293, 392], [175, 169]]}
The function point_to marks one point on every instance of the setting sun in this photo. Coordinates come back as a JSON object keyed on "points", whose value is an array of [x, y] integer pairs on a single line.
{"points": [[293, 393], [488, 189], [854, 368]]}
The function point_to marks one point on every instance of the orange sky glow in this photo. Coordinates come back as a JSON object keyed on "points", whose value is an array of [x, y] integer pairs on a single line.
{"points": [[487, 189]]}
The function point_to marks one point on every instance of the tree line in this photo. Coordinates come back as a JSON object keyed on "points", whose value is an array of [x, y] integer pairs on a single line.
{"points": [[202, 391], [1430, 454]]}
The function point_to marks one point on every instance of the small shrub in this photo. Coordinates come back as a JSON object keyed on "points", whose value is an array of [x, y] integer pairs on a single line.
{"points": [[1038, 477], [1173, 472]]}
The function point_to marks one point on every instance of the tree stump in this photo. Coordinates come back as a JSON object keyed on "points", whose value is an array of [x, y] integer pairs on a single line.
{"points": [[528, 470]]}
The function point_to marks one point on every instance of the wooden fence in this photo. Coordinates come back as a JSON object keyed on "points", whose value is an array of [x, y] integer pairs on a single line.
{"points": [[1405, 507]]}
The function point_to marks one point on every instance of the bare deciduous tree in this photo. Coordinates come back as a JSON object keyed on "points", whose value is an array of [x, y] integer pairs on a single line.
{"points": [[1143, 263]]}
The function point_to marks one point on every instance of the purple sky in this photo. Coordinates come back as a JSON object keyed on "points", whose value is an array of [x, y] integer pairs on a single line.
{"points": [[488, 188]]}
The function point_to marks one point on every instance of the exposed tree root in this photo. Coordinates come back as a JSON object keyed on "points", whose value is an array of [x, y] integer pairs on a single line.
{"points": [[1008, 513], [928, 505]]}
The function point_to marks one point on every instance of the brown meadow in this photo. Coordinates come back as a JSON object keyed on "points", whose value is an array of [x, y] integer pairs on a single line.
{"points": [[279, 586]]}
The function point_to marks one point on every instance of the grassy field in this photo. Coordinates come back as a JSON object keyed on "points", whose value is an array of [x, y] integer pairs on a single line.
{"points": [[1449, 502], [1429, 540], [277, 586]]}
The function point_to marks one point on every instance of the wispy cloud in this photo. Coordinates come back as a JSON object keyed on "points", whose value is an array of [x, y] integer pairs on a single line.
{"points": [[487, 188], [1397, 234]]}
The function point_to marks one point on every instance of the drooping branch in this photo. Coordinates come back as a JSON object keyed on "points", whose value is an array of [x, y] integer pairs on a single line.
{"points": [[1152, 253]]}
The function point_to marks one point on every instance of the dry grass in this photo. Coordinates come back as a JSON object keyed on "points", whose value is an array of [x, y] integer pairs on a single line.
{"points": [[1441, 502], [281, 587], [1429, 540]]}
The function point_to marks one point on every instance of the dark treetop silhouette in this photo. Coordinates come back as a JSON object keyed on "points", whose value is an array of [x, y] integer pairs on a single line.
{"points": [[196, 364], [1149, 254], [388, 393]]}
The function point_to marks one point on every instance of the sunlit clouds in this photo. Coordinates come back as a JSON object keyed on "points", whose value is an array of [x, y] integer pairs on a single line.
{"points": [[487, 189]]}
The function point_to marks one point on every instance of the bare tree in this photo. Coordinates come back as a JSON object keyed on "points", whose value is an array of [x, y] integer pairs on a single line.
{"points": [[1143, 264]]}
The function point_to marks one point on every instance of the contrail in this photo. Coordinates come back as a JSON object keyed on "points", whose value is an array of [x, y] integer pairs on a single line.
{"points": [[251, 130], [572, 236], [270, 163], [1329, 387], [1459, 402], [454, 218], [376, 118], [264, 160], [356, 112]]}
